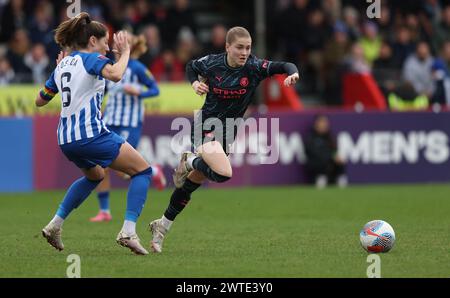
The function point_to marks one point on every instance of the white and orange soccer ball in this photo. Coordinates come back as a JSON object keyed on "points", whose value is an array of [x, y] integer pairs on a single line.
{"points": [[377, 236]]}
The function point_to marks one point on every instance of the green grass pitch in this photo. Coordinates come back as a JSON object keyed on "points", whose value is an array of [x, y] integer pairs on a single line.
{"points": [[245, 232]]}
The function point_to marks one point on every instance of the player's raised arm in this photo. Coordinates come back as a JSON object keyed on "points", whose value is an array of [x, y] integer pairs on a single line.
{"points": [[122, 49]]}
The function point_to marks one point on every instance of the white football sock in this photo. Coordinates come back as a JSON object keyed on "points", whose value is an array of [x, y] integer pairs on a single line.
{"points": [[57, 221], [129, 227], [154, 171], [190, 160], [166, 223]]}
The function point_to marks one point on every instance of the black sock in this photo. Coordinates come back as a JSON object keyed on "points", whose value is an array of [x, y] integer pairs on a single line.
{"points": [[180, 198], [202, 166]]}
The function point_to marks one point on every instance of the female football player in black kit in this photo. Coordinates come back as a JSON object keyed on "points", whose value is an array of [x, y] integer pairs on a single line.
{"points": [[228, 80]]}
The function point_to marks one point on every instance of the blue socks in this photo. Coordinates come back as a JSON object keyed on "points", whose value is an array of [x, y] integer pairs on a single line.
{"points": [[137, 194], [75, 195], [103, 200]]}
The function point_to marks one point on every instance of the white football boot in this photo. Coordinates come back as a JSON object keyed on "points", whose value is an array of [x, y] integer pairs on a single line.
{"points": [[53, 236], [158, 233], [132, 242]]}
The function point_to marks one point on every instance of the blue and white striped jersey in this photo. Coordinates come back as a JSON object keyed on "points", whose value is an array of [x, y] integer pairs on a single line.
{"points": [[78, 78], [127, 110]]}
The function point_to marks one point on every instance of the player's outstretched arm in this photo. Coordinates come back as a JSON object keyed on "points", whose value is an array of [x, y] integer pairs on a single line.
{"points": [[285, 68], [40, 102], [47, 93], [121, 48]]}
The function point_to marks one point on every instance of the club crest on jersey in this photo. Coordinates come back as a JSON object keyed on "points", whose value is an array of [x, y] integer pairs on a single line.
{"points": [[244, 82]]}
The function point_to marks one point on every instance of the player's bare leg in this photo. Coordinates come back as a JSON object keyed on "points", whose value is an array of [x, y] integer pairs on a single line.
{"points": [[212, 153]]}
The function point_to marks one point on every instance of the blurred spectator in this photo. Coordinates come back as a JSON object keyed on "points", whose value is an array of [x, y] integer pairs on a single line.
{"points": [[385, 23], [441, 29], [216, 44], [6, 72], [186, 46], [412, 22], [441, 79], [445, 52], [38, 61], [351, 20], [290, 28], [335, 51], [370, 41], [355, 62], [146, 14], [323, 163], [167, 68], [41, 24], [417, 70], [332, 10], [314, 42], [19, 45], [384, 70], [151, 34], [13, 18], [179, 16], [41, 27], [403, 46]]}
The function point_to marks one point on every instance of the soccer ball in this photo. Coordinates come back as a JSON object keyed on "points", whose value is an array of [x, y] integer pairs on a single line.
{"points": [[377, 236]]}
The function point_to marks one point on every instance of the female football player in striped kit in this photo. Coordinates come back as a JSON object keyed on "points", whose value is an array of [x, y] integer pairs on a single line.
{"points": [[228, 80], [82, 134], [124, 115]]}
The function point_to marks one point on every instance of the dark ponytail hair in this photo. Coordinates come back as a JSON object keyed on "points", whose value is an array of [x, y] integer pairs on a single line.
{"points": [[75, 32]]}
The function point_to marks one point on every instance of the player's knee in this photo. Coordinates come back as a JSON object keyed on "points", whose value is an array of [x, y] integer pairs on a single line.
{"points": [[221, 179], [146, 172], [225, 172], [97, 175]]}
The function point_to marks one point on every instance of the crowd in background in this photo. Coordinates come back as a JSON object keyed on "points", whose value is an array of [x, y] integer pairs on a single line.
{"points": [[407, 49]]}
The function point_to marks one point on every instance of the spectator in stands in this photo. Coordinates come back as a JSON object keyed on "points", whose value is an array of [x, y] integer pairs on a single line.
{"points": [[6, 72], [151, 34], [446, 53], [41, 24], [441, 78], [414, 25], [179, 16], [332, 10], [355, 62], [385, 23], [146, 12], [417, 70], [351, 20], [335, 51], [384, 70], [187, 46], [37, 60], [403, 46], [13, 18], [290, 40], [216, 44], [441, 30], [167, 68], [370, 41], [19, 45], [318, 32], [323, 162]]}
